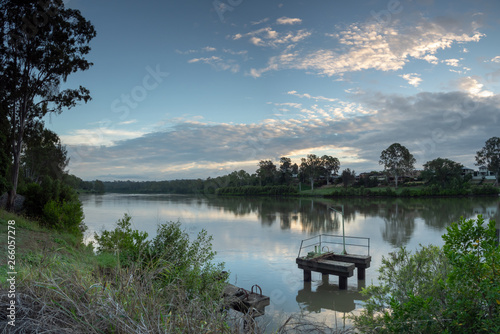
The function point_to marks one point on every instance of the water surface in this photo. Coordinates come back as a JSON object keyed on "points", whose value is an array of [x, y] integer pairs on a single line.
{"points": [[258, 239]]}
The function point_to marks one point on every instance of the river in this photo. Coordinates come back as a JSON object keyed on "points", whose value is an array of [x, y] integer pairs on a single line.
{"points": [[258, 239]]}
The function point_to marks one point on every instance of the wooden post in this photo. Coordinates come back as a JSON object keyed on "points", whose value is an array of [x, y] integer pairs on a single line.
{"points": [[307, 276], [342, 282], [324, 277], [361, 273]]}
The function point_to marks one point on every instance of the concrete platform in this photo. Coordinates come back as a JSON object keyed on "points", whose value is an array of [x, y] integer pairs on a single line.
{"points": [[334, 264]]}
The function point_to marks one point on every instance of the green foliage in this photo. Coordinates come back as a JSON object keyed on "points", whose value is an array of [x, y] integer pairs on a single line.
{"points": [[64, 216], [474, 282], [443, 172], [34, 59], [257, 191], [397, 160], [176, 258], [454, 289], [43, 155], [489, 156], [55, 204], [128, 244]]}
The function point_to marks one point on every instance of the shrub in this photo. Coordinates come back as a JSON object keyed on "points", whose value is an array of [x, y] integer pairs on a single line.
{"points": [[454, 289], [173, 256], [65, 216], [128, 244]]}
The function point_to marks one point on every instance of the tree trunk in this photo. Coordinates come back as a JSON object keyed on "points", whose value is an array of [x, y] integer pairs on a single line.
{"points": [[17, 144], [312, 183], [396, 176], [15, 177]]}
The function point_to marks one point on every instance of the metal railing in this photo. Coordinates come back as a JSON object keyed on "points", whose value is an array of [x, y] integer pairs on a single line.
{"points": [[322, 241]]}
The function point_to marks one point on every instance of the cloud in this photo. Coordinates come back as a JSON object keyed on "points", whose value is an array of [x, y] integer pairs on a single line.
{"points": [[495, 59], [264, 20], [450, 124], [218, 63], [376, 46], [268, 37], [101, 136], [309, 96], [452, 62], [472, 86], [288, 20], [412, 78]]}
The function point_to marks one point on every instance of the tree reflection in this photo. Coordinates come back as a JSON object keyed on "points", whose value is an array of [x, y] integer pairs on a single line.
{"points": [[314, 215]]}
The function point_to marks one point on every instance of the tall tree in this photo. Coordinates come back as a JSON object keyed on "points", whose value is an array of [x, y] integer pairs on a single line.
{"points": [[348, 177], [43, 154], [266, 172], [397, 160], [330, 164], [444, 172], [42, 43], [489, 156], [311, 168], [285, 170]]}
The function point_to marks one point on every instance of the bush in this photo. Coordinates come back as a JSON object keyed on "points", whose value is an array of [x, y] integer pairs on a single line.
{"points": [[454, 289], [175, 258], [65, 216], [124, 242]]}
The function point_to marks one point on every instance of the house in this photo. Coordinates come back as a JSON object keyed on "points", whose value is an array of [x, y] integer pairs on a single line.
{"points": [[467, 171], [482, 174]]}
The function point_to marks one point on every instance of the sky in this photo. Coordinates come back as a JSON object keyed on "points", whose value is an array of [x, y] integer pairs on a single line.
{"points": [[196, 89]]}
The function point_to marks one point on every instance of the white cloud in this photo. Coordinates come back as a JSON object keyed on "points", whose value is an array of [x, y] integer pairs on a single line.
{"points": [[102, 136], [495, 59], [271, 38], [374, 46], [264, 20], [132, 121], [412, 78], [209, 49], [309, 96], [452, 62], [218, 63], [288, 20], [472, 86]]}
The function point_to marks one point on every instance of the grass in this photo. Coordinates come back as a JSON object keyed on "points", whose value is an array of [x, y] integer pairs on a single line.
{"points": [[62, 286]]}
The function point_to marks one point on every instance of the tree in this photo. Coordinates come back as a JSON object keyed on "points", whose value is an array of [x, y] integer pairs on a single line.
{"points": [[99, 187], [348, 177], [444, 172], [489, 156], [311, 168], [330, 164], [42, 43], [266, 172], [43, 154], [285, 169], [397, 160]]}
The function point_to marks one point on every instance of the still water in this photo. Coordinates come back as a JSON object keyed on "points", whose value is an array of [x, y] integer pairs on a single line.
{"points": [[258, 239]]}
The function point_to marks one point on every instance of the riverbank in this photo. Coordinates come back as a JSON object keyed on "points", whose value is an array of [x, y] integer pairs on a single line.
{"points": [[338, 191], [416, 191], [58, 284], [53, 282]]}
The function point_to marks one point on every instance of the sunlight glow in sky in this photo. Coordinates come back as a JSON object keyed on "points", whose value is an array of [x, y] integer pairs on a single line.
{"points": [[189, 88]]}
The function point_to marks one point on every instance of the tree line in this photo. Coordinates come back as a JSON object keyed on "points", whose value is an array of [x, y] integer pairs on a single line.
{"points": [[287, 177]]}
